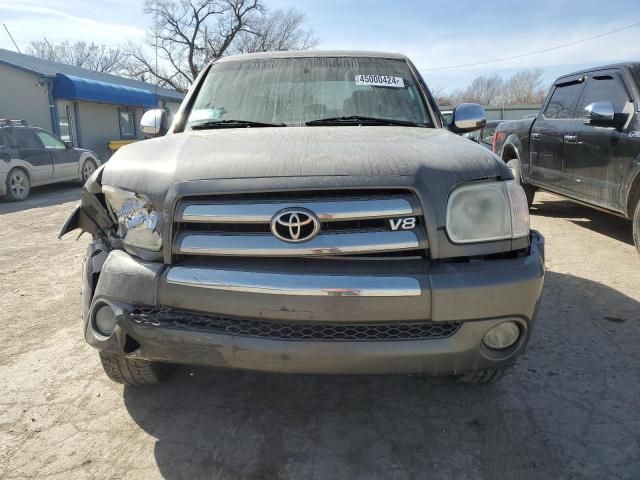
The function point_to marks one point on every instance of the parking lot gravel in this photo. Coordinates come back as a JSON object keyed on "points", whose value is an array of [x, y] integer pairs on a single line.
{"points": [[569, 409]]}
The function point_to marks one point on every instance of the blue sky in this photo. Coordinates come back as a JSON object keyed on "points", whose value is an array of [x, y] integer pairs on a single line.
{"points": [[432, 33]]}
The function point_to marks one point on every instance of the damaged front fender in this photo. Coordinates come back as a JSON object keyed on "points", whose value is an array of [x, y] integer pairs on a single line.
{"points": [[91, 214]]}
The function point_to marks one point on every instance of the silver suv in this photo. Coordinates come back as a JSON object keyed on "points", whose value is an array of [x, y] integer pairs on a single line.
{"points": [[31, 156]]}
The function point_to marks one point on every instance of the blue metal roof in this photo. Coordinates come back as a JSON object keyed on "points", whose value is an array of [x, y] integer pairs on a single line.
{"points": [[75, 88], [49, 69]]}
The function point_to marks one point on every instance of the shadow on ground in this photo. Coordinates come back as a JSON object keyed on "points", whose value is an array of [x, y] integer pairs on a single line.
{"points": [[45, 196], [600, 222], [568, 410]]}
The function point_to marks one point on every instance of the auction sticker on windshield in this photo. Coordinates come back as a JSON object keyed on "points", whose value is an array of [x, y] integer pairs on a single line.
{"points": [[380, 81]]}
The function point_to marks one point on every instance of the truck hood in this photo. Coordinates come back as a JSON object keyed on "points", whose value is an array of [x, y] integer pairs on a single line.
{"points": [[436, 156]]}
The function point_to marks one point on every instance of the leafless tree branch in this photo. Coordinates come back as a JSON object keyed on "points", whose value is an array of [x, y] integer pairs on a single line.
{"points": [[523, 88], [91, 56], [188, 34]]}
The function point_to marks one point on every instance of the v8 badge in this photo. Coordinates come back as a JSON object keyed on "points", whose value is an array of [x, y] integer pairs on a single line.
{"points": [[406, 223]]}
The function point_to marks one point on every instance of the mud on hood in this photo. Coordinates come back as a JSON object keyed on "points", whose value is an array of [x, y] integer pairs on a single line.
{"points": [[435, 158]]}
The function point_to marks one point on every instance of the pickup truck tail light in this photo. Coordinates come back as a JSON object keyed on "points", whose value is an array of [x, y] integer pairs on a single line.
{"points": [[497, 137]]}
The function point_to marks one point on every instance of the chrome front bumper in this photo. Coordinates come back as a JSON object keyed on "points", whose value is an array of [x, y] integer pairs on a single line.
{"points": [[293, 284], [478, 294]]}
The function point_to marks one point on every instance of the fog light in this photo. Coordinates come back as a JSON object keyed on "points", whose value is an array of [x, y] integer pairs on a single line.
{"points": [[502, 336], [105, 320]]}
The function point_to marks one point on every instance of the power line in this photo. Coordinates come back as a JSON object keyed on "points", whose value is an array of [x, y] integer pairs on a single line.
{"points": [[535, 52], [9, 33]]}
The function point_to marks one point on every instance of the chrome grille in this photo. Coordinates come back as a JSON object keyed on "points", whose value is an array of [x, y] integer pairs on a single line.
{"points": [[186, 320], [352, 223]]}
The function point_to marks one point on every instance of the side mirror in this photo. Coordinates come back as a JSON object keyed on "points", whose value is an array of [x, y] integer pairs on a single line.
{"points": [[467, 117], [68, 145], [154, 123], [600, 114]]}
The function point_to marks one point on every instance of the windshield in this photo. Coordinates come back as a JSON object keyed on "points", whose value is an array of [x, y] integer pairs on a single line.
{"points": [[294, 91]]}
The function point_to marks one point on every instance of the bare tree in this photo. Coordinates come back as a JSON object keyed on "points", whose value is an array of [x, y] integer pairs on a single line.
{"points": [[187, 34], [91, 56], [439, 95], [276, 31], [525, 88], [485, 90], [452, 99]]}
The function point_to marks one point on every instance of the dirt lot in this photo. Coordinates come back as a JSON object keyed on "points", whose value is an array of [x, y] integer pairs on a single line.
{"points": [[570, 409]]}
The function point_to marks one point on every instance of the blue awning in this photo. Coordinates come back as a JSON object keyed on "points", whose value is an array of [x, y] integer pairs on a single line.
{"points": [[76, 88]]}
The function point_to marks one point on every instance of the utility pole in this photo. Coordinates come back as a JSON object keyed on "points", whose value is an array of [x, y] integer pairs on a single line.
{"points": [[14, 42]]}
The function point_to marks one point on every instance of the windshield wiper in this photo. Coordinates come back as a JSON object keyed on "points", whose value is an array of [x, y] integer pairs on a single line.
{"points": [[233, 124], [361, 120]]}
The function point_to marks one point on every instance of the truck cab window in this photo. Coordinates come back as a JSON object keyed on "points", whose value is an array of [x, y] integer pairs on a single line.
{"points": [[605, 89], [563, 100]]}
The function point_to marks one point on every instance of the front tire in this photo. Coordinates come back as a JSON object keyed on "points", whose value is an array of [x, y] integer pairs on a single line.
{"points": [[529, 190], [636, 226], [18, 185], [130, 371]]}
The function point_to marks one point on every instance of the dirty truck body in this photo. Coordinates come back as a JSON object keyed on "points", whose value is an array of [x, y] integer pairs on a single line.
{"points": [[292, 243], [584, 144]]}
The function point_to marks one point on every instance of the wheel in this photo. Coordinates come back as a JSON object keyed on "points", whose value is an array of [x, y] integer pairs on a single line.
{"points": [[529, 190], [88, 167], [636, 226], [18, 185], [489, 375], [130, 371]]}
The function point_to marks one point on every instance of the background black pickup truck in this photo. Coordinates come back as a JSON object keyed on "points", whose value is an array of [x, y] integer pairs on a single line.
{"points": [[584, 143]]}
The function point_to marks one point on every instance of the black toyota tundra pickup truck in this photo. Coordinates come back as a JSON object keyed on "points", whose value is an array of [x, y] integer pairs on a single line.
{"points": [[309, 212], [584, 143]]}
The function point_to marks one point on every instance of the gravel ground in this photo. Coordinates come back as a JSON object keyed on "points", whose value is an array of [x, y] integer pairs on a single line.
{"points": [[569, 410]]}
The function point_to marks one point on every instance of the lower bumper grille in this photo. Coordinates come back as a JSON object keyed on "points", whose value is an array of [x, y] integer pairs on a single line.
{"points": [[187, 320]]}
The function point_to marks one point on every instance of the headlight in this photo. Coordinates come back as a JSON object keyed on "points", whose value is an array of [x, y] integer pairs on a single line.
{"points": [[485, 211], [138, 220]]}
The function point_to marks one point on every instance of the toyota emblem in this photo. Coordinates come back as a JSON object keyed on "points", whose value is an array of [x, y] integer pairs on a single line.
{"points": [[295, 225]]}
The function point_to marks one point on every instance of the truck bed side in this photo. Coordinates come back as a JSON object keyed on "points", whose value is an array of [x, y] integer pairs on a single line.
{"points": [[512, 140]]}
